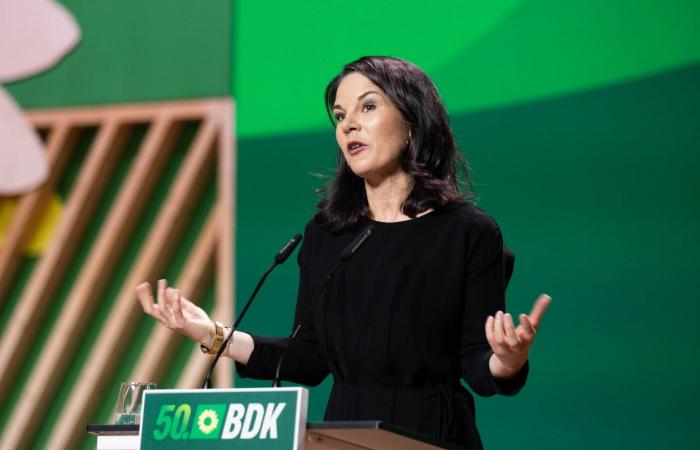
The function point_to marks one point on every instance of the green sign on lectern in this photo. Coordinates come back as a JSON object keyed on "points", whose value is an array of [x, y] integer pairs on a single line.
{"points": [[223, 419]]}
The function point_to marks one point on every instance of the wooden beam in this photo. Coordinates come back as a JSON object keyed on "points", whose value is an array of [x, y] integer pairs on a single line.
{"points": [[141, 112], [225, 298]]}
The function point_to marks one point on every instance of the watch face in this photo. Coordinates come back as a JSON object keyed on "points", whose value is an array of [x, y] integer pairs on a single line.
{"points": [[218, 340]]}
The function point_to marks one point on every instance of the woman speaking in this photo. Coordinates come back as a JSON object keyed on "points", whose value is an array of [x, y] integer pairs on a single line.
{"points": [[421, 304]]}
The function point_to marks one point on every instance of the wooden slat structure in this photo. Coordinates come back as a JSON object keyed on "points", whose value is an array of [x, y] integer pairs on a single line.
{"points": [[209, 156]]}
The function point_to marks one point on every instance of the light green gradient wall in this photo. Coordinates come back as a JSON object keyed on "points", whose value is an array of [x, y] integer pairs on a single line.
{"points": [[580, 123], [481, 54]]}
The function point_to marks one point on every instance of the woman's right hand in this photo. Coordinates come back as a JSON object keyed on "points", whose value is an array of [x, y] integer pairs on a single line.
{"points": [[176, 312]]}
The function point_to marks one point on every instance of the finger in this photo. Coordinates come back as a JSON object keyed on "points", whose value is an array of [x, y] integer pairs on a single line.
{"points": [[489, 330], [538, 309], [145, 296], [171, 297], [498, 334], [162, 287], [177, 306], [509, 330], [526, 331]]}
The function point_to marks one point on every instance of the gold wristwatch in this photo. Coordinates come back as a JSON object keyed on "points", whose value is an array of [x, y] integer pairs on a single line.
{"points": [[218, 340]]}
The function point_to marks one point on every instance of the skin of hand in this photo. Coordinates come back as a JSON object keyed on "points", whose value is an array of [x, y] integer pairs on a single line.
{"points": [[511, 345], [176, 312]]}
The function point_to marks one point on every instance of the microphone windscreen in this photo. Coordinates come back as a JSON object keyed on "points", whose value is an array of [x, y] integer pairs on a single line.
{"points": [[356, 243], [287, 250]]}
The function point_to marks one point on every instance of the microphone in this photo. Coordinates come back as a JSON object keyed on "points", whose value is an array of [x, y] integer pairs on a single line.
{"points": [[356, 243], [287, 250], [347, 253], [280, 258]]}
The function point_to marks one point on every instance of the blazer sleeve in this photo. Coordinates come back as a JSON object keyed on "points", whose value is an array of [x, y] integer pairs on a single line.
{"points": [[304, 360], [489, 266]]}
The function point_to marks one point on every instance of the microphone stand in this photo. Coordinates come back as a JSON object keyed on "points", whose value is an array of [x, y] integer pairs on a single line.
{"points": [[346, 254], [280, 258]]}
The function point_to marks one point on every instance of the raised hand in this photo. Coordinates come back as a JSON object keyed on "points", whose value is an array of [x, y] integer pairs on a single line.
{"points": [[176, 312], [511, 345]]}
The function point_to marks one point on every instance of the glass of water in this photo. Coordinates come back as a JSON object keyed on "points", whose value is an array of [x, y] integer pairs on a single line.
{"points": [[129, 402]]}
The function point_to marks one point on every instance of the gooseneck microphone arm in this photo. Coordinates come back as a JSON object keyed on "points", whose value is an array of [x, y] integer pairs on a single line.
{"points": [[347, 253], [280, 258]]}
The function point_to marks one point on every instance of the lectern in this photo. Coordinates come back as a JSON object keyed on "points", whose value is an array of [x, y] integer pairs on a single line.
{"points": [[319, 436], [266, 418]]}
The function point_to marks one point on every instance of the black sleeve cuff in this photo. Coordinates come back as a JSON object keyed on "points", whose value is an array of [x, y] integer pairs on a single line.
{"points": [[263, 360], [512, 386]]}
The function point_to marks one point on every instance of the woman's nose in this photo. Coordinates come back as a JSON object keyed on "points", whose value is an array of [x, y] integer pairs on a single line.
{"points": [[349, 124]]}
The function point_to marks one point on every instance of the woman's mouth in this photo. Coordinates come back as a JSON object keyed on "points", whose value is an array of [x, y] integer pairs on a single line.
{"points": [[355, 147]]}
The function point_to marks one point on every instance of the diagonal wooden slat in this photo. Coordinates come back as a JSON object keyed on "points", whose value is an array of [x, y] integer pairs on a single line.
{"points": [[30, 206], [31, 309], [113, 339], [162, 342]]}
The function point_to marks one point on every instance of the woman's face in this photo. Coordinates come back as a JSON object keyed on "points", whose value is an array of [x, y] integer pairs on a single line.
{"points": [[370, 131]]}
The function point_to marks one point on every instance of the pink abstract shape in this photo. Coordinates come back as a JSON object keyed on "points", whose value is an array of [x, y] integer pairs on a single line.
{"points": [[23, 163], [34, 36]]}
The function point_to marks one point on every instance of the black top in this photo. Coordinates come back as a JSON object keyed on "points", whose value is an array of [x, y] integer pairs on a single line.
{"points": [[400, 323]]}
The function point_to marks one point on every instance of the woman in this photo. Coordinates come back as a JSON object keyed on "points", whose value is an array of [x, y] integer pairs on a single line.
{"points": [[420, 305]]}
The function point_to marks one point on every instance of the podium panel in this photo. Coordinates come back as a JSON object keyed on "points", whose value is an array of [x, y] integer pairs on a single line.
{"points": [[366, 435]]}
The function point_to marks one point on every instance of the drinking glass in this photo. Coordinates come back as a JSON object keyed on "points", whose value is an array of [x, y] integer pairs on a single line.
{"points": [[129, 402]]}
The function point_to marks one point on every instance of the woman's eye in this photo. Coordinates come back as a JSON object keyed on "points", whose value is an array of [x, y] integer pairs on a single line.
{"points": [[368, 107], [339, 116]]}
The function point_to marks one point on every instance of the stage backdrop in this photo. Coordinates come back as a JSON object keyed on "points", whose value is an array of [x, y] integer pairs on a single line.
{"points": [[579, 122]]}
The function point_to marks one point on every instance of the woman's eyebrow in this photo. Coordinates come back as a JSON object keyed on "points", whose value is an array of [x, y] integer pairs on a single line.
{"points": [[360, 97], [367, 93]]}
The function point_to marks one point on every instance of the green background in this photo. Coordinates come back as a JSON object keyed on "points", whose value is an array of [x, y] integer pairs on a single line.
{"points": [[580, 123]]}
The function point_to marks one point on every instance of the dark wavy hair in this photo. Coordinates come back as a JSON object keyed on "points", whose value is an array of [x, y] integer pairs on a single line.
{"points": [[431, 158]]}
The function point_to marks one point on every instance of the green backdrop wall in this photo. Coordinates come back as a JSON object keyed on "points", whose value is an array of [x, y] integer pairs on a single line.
{"points": [[579, 121]]}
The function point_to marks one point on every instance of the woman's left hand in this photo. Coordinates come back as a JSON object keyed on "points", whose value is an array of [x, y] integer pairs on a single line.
{"points": [[511, 345]]}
